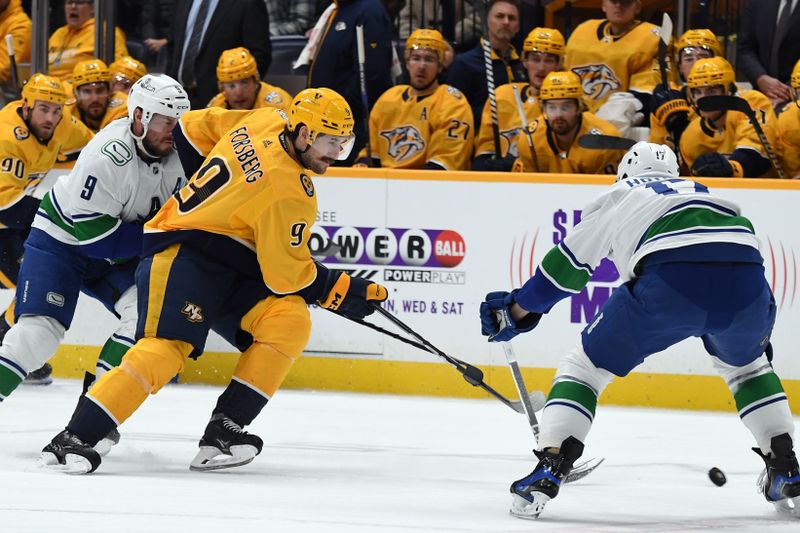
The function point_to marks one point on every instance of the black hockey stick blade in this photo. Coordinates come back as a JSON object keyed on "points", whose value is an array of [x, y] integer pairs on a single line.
{"points": [[724, 103], [604, 142]]}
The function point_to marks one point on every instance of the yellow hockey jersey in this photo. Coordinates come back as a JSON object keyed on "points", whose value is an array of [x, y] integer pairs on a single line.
{"points": [[117, 108], [508, 120], [268, 96], [23, 159], [572, 159], [789, 139], [607, 63], [66, 48], [14, 22], [250, 200], [700, 137], [410, 131]]}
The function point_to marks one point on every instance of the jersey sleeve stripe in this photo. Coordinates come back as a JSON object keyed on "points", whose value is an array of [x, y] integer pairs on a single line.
{"points": [[558, 268], [574, 260]]}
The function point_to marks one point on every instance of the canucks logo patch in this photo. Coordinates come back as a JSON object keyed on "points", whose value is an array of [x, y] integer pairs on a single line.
{"points": [[21, 133], [597, 80], [405, 142], [307, 184]]}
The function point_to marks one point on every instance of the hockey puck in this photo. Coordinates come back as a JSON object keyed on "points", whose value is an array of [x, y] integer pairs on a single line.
{"points": [[717, 476]]}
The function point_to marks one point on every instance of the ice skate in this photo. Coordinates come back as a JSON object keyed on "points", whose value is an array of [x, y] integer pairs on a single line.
{"points": [[106, 443], [224, 437], [69, 454], [40, 376], [779, 482], [531, 493]]}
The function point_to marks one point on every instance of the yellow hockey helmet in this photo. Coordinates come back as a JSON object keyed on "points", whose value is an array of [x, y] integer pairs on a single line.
{"points": [[561, 84], [128, 68], [236, 64], [90, 71], [701, 38], [711, 71], [44, 88], [324, 112], [547, 40], [423, 39]]}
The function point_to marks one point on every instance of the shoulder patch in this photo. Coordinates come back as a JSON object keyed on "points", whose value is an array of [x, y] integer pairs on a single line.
{"points": [[117, 151], [273, 98], [308, 185], [454, 92], [283, 114], [115, 102], [21, 133], [595, 131]]}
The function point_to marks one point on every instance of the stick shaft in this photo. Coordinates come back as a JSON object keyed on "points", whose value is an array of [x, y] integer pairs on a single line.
{"points": [[523, 117], [363, 82], [13, 64]]}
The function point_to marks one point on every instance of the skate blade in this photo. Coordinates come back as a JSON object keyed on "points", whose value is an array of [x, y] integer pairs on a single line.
{"points": [[522, 508], [788, 507], [206, 458], [41, 381], [73, 464], [581, 470]]}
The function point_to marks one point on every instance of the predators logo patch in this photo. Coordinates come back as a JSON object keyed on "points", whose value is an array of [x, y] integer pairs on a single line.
{"points": [[405, 142], [21, 133], [193, 312], [511, 136], [273, 98], [307, 184], [597, 80]]}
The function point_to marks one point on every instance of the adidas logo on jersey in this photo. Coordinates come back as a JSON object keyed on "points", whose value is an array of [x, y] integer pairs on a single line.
{"points": [[405, 142]]}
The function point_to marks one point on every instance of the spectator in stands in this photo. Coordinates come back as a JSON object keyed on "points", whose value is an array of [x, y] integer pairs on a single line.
{"points": [[74, 42], [789, 128], [723, 143], [425, 124], [428, 14], [335, 64], [292, 17], [671, 111], [157, 19], [468, 72], [768, 45], [555, 134], [240, 86], [542, 53], [96, 105], [14, 22], [124, 73], [616, 56], [203, 29]]}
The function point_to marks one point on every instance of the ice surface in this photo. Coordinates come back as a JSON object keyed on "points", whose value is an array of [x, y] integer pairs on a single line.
{"points": [[338, 462]]}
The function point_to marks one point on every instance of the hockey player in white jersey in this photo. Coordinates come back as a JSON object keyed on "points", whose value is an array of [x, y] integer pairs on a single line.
{"points": [[87, 233], [693, 269]]}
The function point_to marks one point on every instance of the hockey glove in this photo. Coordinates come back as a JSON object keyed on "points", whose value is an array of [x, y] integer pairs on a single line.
{"points": [[352, 297], [714, 165], [506, 328], [671, 108]]}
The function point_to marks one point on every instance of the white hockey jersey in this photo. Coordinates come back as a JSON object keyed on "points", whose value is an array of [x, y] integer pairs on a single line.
{"points": [[109, 185], [634, 218]]}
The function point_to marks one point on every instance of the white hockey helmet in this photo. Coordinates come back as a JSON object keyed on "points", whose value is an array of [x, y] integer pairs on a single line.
{"points": [[648, 159], [157, 94]]}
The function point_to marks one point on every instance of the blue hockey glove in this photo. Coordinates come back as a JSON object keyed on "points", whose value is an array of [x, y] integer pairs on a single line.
{"points": [[496, 320]]}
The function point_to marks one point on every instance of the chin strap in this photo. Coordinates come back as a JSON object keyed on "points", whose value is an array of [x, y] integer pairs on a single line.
{"points": [[139, 140]]}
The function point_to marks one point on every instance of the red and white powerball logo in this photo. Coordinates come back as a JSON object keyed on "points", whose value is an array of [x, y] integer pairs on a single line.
{"points": [[449, 248]]}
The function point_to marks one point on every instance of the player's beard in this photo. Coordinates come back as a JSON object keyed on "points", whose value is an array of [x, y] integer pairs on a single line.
{"points": [[154, 150]]}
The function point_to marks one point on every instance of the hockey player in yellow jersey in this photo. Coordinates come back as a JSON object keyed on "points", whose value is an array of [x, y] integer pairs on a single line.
{"points": [[32, 132], [789, 128], [724, 143], [542, 53], [200, 130], [555, 134], [616, 56], [96, 105], [425, 124], [232, 244], [124, 73], [240, 86], [671, 110]]}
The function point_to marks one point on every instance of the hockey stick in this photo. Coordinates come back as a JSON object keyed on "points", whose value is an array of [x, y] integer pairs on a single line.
{"points": [[363, 82], [663, 44], [511, 359], [524, 119], [736, 103], [593, 141], [13, 64], [480, 7]]}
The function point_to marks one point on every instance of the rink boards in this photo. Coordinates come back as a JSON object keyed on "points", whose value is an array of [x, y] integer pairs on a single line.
{"points": [[440, 242]]}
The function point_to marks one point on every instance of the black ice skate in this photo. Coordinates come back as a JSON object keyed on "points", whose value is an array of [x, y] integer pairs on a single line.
{"points": [[779, 482], [531, 493], [225, 437], [67, 453], [40, 376]]}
